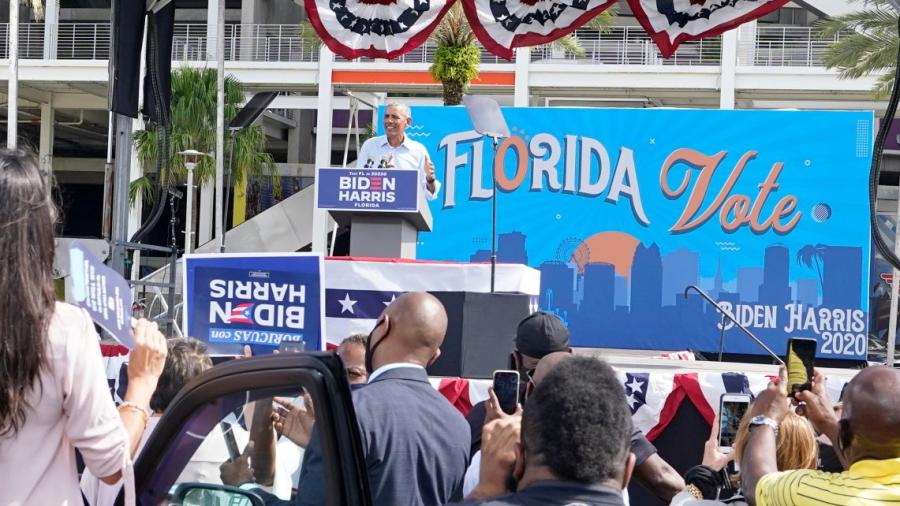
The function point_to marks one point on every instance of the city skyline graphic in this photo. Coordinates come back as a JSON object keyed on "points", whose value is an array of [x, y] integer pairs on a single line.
{"points": [[636, 289]]}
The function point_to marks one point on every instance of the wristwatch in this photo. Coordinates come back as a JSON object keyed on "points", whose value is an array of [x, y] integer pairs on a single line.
{"points": [[764, 420]]}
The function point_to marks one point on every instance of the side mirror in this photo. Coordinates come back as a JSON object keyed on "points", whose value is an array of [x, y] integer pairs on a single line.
{"points": [[202, 494]]}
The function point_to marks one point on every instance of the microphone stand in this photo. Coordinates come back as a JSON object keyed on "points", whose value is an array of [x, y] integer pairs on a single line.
{"points": [[493, 220], [736, 323]]}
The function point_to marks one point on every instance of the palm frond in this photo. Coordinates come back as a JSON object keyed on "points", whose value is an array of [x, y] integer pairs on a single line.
{"points": [[308, 35], [604, 21], [37, 7], [867, 43], [454, 29], [194, 127], [141, 188], [569, 43]]}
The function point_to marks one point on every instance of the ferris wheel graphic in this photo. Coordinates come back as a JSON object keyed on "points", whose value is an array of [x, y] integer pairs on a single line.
{"points": [[573, 250]]}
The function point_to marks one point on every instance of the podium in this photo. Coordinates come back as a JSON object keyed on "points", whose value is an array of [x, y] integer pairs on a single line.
{"points": [[385, 208]]}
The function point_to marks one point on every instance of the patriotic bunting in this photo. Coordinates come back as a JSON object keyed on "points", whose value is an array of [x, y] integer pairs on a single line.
{"points": [[375, 28], [671, 22], [390, 28], [653, 396], [502, 25]]}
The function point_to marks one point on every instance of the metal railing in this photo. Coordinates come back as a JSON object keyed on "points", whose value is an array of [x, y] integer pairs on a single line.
{"points": [[785, 46], [626, 45]]}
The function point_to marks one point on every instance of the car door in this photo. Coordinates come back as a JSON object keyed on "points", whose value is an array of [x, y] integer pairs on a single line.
{"points": [[215, 402]]}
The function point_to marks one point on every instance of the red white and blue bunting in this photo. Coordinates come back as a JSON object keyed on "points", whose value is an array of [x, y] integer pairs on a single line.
{"points": [[671, 22], [375, 28], [503, 25], [390, 28]]}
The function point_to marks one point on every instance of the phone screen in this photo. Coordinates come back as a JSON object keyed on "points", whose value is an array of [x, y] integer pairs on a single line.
{"points": [[801, 357], [292, 346], [230, 442], [730, 415], [506, 387]]}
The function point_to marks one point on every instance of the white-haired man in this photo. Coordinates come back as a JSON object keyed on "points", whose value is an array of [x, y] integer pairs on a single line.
{"points": [[396, 150]]}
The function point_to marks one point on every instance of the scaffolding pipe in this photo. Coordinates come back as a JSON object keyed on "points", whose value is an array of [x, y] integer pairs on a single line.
{"points": [[12, 114], [220, 126]]}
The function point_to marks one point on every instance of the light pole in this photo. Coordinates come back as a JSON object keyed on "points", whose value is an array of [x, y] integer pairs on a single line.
{"points": [[191, 158]]}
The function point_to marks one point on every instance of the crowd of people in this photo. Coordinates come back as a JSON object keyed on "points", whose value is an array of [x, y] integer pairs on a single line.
{"points": [[571, 440]]}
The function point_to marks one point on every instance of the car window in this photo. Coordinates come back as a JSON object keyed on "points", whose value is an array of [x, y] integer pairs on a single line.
{"points": [[215, 418], [220, 436]]}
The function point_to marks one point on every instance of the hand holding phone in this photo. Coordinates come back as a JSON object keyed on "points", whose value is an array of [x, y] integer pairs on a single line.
{"points": [[801, 358], [732, 408], [506, 388]]}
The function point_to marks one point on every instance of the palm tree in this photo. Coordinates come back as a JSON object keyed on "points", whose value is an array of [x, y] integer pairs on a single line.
{"points": [[809, 255], [194, 127], [602, 23], [868, 43], [457, 57]]}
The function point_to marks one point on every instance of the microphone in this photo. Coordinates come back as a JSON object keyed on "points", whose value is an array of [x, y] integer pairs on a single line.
{"points": [[369, 163], [384, 161]]}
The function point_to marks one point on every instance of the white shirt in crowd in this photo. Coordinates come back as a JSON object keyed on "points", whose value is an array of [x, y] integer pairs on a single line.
{"points": [[408, 155]]}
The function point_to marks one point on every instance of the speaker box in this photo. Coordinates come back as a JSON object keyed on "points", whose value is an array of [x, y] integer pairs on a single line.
{"points": [[480, 332]]}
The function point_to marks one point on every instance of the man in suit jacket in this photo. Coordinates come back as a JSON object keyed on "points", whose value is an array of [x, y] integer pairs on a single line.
{"points": [[416, 444]]}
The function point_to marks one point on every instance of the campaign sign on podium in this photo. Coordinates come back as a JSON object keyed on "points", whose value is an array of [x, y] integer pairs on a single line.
{"points": [[372, 189]]}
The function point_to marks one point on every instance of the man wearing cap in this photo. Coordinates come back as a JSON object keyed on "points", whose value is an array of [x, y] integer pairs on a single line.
{"points": [[541, 334]]}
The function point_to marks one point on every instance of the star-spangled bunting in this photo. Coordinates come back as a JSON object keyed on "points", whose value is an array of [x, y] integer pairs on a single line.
{"points": [[375, 28], [646, 393], [671, 22], [503, 25], [390, 28], [636, 385], [365, 304]]}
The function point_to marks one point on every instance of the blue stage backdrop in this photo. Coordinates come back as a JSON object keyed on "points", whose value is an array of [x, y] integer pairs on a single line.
{"points": [[622, 209], [254, 299]]}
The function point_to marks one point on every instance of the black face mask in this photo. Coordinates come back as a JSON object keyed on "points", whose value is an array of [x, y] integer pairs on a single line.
{"points": [[370, 350]]}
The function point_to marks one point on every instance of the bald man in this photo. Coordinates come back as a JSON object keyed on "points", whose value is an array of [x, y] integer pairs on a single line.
{"points": [[867, 438], [416, 444]]}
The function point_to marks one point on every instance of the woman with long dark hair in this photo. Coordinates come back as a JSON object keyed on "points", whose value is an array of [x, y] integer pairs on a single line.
{"points": [[54, 396]]}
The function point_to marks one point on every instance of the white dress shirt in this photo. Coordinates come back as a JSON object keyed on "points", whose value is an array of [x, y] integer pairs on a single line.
{"points": [[408, 155]]}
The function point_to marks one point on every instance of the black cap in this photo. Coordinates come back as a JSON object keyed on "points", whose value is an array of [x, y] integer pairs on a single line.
{"points": [[540, 334]]}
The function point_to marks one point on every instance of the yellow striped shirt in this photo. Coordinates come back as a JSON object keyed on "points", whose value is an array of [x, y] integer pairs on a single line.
{"points": [[866, 483]]}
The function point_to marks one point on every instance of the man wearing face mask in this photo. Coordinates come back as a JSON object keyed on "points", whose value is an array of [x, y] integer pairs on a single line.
{"points": [[573, 447], [416, 444]]}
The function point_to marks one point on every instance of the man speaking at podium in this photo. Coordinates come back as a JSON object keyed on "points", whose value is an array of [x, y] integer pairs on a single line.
{"points": [[396, 150]]}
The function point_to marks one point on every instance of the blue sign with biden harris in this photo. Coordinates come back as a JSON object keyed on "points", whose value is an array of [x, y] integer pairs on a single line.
{"points": [[232, 300], [370, 189]]}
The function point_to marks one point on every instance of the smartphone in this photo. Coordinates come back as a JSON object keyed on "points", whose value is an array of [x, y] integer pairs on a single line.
{"points": [[292, 346], [230, 442], [506, 387], [801, 357], [732, 408]]}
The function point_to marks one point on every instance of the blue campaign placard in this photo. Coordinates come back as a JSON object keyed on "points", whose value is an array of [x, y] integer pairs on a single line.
{"points": [[232, 300], [621, 209], [374, 189], [101, 291]]}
